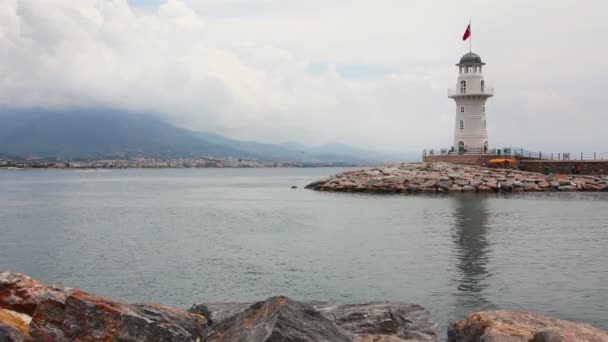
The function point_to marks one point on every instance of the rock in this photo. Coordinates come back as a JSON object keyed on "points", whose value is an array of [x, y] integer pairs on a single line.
{"points": [[475, 182], [484, 188], [382, 321], [566, 188], [315, 185], [378, 321], [413, 187], [461, 182], [83, 317], [15, 320], [592, 187], [506, 186], [21, 293], [11, 334], [277, 319], [444, 184], [444, 177], [429, 184], [579, 181], [507, 326], [468, 188], [294, 187], [217, 312]]}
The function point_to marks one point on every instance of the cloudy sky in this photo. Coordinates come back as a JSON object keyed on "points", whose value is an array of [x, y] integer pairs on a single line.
{"points": [[372, 74]]}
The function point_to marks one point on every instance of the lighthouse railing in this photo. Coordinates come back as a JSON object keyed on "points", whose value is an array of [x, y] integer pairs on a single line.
{"points": [[468, 91]]}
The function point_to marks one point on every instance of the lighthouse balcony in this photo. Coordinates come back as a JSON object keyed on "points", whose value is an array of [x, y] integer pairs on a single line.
{"points": [[458, 92]]}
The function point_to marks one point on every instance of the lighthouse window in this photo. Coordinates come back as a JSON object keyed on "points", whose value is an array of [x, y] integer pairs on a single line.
{"points": [[483, 86], [462, 109], [484, 108], [463, 87], [461, 125], [484, 124]]}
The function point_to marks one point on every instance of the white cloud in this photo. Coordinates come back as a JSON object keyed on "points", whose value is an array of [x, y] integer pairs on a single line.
{"points": [[273, 70]]}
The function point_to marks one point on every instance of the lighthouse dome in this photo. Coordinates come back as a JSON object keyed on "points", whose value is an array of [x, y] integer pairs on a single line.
{"points": [[470, 58]]}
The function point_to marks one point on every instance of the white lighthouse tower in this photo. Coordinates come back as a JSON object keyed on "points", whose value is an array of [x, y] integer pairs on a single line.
{"points": [[470, 94]]}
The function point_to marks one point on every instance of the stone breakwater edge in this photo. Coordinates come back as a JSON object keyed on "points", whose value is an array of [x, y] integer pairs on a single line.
{"points": [[445, 177], [33, 311]]}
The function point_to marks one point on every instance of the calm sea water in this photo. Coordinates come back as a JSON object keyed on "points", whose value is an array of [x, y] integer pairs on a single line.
{"points": [[183, 236]]}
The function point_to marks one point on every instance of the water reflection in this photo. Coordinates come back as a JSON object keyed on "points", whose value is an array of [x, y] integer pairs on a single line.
{"points": [[471, 253]]}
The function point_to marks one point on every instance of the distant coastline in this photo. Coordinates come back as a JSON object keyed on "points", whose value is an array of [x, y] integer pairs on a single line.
{"points": [[153, 163]]}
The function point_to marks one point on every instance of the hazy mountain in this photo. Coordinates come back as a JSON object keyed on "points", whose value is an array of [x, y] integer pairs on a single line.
{"points": [[100, 133], [97, 133]]}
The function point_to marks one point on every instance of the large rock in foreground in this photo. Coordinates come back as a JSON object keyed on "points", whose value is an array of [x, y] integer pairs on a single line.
{"points": [[515, 326], [277, 319], [9, 333], [382, 321], [379, 321], [21, 293], [83, 317]]}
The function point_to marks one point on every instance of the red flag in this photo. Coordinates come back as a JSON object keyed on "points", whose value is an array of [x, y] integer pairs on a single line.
{"points": [[467, 33]]}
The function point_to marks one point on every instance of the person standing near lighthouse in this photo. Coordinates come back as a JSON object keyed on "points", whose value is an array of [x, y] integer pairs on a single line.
{"points": [[470, 95]]}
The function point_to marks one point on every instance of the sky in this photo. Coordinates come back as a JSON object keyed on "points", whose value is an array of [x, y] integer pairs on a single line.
{"points": [[372, 74]]}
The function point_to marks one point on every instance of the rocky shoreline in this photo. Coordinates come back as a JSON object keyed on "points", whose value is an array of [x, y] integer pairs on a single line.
{"points": [[32, 311], [447, 177]]}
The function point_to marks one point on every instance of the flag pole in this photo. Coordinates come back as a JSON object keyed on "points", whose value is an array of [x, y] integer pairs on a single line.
{"points": [[470, 37]]}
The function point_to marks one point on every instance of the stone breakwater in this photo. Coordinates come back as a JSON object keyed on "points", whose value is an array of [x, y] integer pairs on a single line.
{"points": [[448, 177], [33, 311]]}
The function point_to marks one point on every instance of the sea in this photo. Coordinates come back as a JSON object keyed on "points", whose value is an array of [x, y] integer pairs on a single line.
{"points": [[184, 236]]}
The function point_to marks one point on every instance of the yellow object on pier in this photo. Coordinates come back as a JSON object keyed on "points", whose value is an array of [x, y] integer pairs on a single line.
{"points": [[503, 160]]}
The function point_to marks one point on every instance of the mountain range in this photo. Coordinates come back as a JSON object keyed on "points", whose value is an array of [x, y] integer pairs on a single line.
{"points": [[103, 133]]}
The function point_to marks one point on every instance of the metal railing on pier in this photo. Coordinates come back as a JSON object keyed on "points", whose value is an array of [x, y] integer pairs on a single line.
{"points": [[510, 152]]}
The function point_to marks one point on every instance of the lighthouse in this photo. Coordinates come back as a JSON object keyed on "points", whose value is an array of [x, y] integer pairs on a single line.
{"points": [[470, 95]]}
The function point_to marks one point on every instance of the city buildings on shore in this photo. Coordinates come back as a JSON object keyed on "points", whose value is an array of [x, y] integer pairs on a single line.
{"points": [[152, 163]]}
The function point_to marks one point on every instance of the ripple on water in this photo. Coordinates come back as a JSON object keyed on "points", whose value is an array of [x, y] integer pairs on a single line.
{"points": [[185, 236]]}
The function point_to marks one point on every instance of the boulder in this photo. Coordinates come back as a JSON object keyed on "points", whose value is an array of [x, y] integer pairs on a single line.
{"points": [[462, 182], [456, 188], [475, 182], [15, 320], [378, 321], [506, 186], [83, 317], [382, 321], [507, 326], [315, 185], [11, 334], [444, 184], [21, 293], [277, 319], [485, 188], [217, 312], [412, 187]]}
